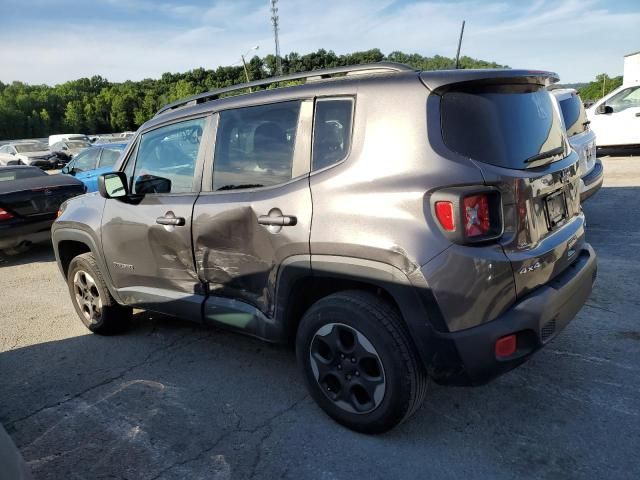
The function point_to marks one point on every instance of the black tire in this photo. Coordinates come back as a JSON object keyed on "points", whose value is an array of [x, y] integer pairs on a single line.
{"points": [[103, 316], [368, 326]]}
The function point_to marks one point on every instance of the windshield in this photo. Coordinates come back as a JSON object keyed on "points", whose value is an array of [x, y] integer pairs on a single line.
{"points": [[575, 119], [512, 126], [31, 147]]}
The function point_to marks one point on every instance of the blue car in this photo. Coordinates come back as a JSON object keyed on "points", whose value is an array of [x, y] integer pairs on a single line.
{"points": [[87, 165]]}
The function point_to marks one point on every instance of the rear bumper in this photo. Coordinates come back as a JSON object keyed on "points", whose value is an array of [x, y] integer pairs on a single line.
{"points": [[34, 232], [536, 320], [592, 182]]}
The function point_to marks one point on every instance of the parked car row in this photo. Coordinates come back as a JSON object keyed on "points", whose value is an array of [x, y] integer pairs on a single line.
{"points": [[397, 226]]}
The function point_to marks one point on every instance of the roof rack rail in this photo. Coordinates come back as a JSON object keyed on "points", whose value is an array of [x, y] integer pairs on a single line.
{"points": [[380, 67]]}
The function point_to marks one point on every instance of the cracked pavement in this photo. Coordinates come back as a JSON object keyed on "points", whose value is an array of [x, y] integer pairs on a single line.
{"points": [[170, 399]]}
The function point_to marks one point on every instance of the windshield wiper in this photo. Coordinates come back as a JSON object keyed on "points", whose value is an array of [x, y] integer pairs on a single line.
{"points": [[236, 187], [549, 153]]}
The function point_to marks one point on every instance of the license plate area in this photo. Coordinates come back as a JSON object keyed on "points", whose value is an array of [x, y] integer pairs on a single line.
{"points": [[555, 209]]}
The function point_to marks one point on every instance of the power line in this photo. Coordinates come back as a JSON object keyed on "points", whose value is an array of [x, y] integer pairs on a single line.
{"points": [[274, 21]]}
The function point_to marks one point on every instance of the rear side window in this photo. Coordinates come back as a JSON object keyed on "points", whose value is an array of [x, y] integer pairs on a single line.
{"points": [[255, 146], [575, 118], [512, 126], [109, 157], [331, 131]]}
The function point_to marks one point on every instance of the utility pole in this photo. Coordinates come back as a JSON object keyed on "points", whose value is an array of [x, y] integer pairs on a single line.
{"points": [[459, 45], [274, 22], [244, 64]]}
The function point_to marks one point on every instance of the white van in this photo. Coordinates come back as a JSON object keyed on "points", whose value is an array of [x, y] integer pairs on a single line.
{"points": [[67, 136]]}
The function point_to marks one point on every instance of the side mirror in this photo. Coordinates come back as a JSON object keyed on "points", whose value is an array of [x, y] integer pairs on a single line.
{"points": [[604, 109], [113, 185], [67, 170], [152, 184]]}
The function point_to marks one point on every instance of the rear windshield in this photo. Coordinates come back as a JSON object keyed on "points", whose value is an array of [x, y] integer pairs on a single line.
{"points": [[575, 119], [512, 126], [7, 174], [31, 147]]}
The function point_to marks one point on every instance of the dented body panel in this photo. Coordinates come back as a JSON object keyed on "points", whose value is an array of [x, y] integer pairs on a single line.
{"points": [[237, 257]]}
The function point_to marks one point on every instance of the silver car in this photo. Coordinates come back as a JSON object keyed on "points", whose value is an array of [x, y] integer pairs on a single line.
{"points": [[34, 154], [582, 140]]}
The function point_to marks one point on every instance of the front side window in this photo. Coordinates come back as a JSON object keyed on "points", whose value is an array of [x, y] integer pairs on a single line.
{"points": [[331, 131], [86, 160], [512, 126], [255, 146], [166, 158], [627, 98], [575, 118]]}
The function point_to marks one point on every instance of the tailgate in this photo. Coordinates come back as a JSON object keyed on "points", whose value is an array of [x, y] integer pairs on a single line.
{"points": [[544, 224], [511, 128]]}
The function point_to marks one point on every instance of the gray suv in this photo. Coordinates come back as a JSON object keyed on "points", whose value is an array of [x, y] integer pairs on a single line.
{"points": [[395, 226]]}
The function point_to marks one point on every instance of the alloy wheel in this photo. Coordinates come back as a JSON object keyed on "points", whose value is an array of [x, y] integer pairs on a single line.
{"points": [[87, 296], [347, 368]]}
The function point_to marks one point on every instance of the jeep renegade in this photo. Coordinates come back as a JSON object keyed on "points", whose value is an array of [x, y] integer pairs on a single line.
{"points": [[396, 226]]}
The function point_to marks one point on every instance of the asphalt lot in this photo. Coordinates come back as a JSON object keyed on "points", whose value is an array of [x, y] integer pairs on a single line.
{"points": [[174, 400]]}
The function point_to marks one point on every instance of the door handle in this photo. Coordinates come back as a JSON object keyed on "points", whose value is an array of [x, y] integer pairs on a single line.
{"points": [[638, 114], [280, 220], [170, 220]]}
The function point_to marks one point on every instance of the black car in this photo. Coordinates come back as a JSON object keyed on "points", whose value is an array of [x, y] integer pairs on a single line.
{"points": [[29, 201]]}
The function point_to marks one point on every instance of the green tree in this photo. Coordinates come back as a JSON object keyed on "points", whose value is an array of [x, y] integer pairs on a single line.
{"points": [[95, 105], [600, 87]]}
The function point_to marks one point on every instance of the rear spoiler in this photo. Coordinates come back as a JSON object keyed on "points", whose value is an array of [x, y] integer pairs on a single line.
{"points": [[440, 78]]}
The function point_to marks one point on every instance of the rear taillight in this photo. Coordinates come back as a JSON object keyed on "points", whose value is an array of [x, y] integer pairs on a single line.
{"points": [[477, 219], [468, 215], [446, 216], [4, 215]]}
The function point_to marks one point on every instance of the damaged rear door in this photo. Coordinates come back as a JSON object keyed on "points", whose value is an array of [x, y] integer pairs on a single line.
{"points": [[254, 211]]}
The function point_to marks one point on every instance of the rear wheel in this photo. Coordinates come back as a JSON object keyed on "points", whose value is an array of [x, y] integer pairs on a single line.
{"points": [[91, 298], [358, 362]]}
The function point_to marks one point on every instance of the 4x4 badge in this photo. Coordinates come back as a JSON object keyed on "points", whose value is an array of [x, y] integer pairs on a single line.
{"points": [[530, 268]]}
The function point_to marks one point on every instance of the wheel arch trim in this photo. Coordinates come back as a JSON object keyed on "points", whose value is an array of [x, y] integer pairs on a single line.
{"points": [[374, 273], [79, 236]]}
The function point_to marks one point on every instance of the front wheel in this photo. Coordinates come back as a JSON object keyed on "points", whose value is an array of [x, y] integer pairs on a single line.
{"points": [[91, 299], [358, 361]]}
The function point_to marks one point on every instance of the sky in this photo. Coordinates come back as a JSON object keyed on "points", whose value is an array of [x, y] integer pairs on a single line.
{"points": [[53, 41]]}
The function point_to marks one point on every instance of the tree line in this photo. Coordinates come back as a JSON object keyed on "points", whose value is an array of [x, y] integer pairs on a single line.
{"points": [[95, 105], [601, 86]]}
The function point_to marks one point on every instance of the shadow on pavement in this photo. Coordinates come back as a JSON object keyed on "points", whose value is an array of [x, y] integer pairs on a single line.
{"points": [[37, 253], [172, 399]]}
